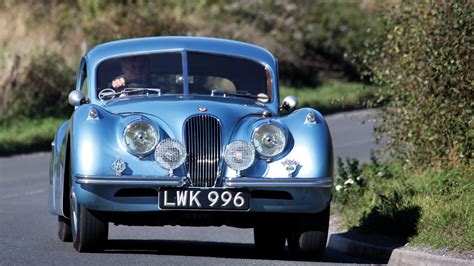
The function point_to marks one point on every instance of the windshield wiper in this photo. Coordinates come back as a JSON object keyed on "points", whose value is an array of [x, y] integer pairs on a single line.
{"points": [[109, 94], [261, 97]]}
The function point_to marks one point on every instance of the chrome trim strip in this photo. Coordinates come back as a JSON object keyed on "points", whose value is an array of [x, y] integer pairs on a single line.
{"points": [[261, 182], [184, 65], [130, 180]]}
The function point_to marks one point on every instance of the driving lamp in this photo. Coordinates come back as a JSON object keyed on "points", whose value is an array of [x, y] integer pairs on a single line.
{"points": [[170, 154], [141, 138], [239, 155], [269, 140]]}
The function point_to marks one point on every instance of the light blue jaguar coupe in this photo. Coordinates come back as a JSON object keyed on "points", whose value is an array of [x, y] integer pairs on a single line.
{"points": [[190, 131]]}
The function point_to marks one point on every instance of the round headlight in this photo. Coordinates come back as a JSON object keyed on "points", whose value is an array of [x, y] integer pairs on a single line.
{"points": [[239, 155], [141, 138], [170, 154], [269, 140]]}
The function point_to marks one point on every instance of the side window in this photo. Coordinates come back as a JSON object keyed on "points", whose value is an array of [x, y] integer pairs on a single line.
{"points": [[84, 86]]}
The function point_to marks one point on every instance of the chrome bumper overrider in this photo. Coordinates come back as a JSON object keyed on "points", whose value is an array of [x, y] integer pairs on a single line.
{"points": [[240, 182]]}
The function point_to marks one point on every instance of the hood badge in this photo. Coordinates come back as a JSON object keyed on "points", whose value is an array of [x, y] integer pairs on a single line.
{"points": [[290, 166], [202, 109], [119, 166]]}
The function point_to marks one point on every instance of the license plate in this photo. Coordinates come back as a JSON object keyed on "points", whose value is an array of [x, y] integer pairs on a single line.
{"points": [[203, 198]]}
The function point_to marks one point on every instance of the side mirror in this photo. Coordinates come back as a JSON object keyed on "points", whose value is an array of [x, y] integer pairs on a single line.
{"points": [[289, 104], [76, 98]]}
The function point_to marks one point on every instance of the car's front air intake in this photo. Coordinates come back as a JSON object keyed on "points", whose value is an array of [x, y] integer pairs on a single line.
{"points": [[203, 145]]}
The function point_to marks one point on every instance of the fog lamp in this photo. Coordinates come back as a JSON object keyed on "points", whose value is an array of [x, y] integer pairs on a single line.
{"points": [[239, 155], [170, 154]]}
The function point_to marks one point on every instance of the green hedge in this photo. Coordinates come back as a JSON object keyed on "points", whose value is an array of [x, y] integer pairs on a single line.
{"points": [[425, 72]]}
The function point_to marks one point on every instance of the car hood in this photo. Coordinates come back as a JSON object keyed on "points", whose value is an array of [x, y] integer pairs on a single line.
{"points": [[173, 111]]}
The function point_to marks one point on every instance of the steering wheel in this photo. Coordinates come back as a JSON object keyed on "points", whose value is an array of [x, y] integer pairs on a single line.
{"points": [[107, 94]]}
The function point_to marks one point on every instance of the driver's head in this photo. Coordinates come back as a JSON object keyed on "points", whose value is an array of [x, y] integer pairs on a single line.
{"points": [[135, 67]]}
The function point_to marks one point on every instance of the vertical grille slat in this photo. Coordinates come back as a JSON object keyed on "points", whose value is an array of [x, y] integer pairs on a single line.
{"points": [[203, 142]]}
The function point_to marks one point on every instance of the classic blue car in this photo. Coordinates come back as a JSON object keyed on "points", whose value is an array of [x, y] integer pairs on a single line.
{"points": [[189, 131]]}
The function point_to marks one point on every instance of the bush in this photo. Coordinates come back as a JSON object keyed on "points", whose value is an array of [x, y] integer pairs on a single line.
{"points": [[424, 67], [103, 21], [38, 88], [349, 181]]}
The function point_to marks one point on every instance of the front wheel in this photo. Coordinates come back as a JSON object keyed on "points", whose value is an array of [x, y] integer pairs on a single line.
{"points": [[89, 232], [307, 239], [64, 229]]}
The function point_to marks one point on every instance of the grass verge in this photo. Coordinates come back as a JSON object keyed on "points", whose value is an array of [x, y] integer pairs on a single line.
{"points": [[428, 208], [332, 96], [27, 135]]}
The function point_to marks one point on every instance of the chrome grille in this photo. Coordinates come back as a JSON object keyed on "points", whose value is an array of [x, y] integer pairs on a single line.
{"points": [[203, 145]]}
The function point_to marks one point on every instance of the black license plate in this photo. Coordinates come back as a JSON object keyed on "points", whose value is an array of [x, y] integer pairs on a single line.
{"points": [[203, 198]]}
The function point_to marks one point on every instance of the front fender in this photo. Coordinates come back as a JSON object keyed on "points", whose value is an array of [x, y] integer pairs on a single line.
{"points": [[312, 146], [309, 144], [91, 138], [97, 142]]}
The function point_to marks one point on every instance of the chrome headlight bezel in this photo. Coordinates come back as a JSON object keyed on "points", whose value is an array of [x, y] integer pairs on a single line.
{"points": [[155, 135], [280, 133]]}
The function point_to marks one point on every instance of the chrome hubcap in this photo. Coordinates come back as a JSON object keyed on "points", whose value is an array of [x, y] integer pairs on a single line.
{"points": [[74, 212]]}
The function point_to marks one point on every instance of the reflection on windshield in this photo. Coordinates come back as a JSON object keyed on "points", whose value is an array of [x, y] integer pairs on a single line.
{"points": [[161, 73]]}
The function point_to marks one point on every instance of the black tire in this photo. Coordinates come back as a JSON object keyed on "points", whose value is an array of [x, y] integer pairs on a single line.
{"points": [[92, 232], [307, 240], [64, 229], [269, 240]]}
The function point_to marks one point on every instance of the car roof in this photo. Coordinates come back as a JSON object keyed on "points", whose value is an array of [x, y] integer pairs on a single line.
{"points": [[173, 43], [159, 44]]}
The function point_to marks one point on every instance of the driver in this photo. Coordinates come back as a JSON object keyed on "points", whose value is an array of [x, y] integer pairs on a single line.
{"points": [[136, 70]]}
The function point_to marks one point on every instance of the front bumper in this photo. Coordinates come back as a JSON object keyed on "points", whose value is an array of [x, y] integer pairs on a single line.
{"points": [[240, 182], [306, 195]]}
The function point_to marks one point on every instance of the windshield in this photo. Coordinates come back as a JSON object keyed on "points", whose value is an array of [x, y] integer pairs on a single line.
{"points": [[225, 75], [162, 73]]}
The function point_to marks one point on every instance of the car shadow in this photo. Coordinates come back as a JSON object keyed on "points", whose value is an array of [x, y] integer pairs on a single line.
{"points": [[348, 247], [187, 248], [211, 249], [382, 230]]}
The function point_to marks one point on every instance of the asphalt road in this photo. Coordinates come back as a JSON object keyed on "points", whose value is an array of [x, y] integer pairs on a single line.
{"points": [[28, 233]]}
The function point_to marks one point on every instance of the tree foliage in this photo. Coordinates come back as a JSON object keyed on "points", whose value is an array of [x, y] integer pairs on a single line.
{"points": [[309, 38]]}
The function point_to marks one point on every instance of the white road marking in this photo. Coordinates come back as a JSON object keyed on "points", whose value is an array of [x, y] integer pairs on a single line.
{"points": [[28, 193], [356, 143]]}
